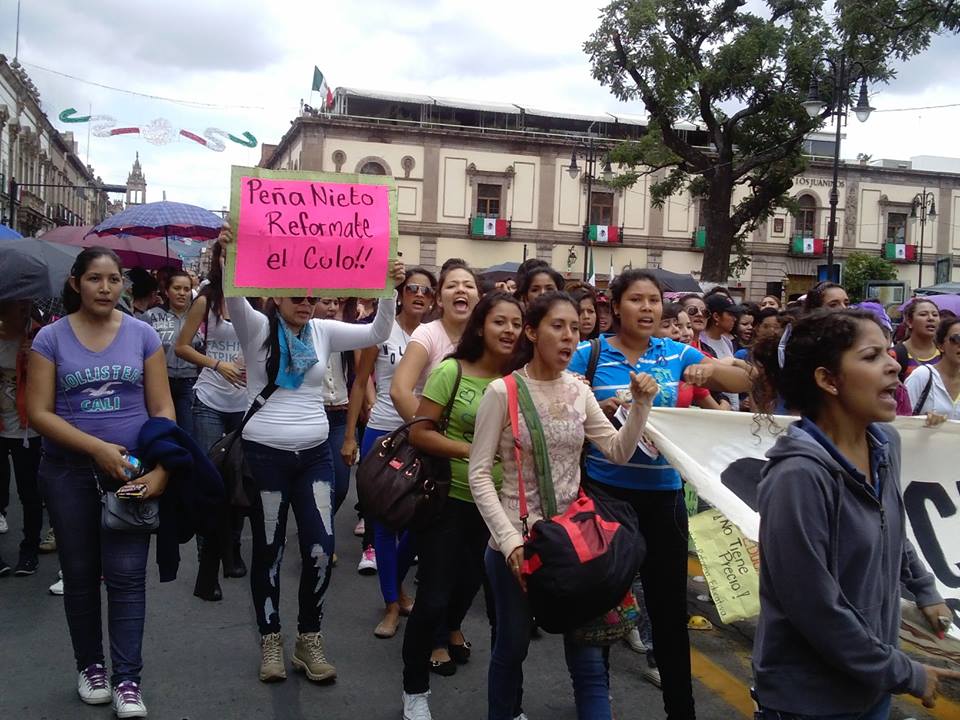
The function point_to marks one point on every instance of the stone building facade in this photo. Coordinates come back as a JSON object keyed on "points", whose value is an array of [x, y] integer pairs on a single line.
{"points": [[456, 160]]}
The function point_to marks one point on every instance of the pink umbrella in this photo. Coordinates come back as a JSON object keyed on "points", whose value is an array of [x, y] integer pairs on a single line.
{"points": [[148, 253]]}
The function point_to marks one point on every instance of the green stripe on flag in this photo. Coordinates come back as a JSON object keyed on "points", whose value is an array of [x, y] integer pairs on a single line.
{"points": [[476, 226]]}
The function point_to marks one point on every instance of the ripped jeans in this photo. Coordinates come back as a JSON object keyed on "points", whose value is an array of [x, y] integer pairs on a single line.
{"points": [[303, 479]]}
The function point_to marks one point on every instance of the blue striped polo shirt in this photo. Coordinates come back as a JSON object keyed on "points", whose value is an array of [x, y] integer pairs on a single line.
{"points": [[665, 360]]}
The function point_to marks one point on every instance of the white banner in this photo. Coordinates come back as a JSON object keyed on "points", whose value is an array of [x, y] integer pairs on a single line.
{"points": [[721, 454]]}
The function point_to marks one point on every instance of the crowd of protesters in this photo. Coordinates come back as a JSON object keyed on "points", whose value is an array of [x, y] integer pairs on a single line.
{"points": [[138, 363]]}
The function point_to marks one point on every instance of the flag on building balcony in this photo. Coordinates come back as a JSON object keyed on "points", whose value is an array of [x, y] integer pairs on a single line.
{"points": [[490, 227], [320, 86], [604, 233], [899, 251], [807, 246]]}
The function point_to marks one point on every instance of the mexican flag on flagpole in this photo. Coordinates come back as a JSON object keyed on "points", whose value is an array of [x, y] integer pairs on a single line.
{"points": [[320, 86], [604, 233], [491, 227], [591, 273], [899, 251], [807, 246]]}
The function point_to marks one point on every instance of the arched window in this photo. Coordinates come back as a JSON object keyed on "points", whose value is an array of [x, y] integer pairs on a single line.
{"points": [[806, 217], [371, 167]]}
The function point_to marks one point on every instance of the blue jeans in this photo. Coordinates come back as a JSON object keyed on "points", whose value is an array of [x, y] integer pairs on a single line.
{"points": [[87, 553], [587, 665], [210, 425], [341, 471], [395, 550], [303, 479], [181, 389], [880, 711]]}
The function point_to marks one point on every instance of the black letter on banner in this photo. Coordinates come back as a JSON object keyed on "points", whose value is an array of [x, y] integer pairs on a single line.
{"points": [[915, 498]]}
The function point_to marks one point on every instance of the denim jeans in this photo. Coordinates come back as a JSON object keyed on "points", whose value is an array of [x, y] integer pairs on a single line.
{"points": [[87, 553], [302, 479], [450, 573], [181, 389], [26, 464], [587, 665], [341, 471], [880, 711], [663, 521], [395, 550]]}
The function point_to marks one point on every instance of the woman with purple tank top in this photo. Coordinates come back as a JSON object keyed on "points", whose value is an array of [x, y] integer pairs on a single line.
{"points": [[95, 377]]}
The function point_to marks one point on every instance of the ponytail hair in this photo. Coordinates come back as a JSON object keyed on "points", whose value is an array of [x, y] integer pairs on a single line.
{"points": [[71, 298]]}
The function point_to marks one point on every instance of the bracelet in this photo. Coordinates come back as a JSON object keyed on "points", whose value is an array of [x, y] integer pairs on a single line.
{"points": [[216, 365]]}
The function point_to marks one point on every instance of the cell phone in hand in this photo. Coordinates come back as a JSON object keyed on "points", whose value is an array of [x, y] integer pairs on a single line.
{"points": [[133, 491]]}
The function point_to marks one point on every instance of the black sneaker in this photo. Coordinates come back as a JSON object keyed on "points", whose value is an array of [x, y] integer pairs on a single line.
{"points": [[4, 568], [26, 566]]}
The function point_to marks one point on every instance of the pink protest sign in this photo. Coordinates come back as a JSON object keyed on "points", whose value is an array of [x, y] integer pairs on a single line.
{"points": [[303, 233]]}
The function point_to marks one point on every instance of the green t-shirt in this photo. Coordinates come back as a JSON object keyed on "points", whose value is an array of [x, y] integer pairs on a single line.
{"points": [[463, 416]]}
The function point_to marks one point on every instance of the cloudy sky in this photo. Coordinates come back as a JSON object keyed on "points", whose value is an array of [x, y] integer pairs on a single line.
{"points": [[254, 62]]}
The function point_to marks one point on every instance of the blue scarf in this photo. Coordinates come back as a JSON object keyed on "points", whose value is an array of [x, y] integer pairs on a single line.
{"points": [[297, 355]]}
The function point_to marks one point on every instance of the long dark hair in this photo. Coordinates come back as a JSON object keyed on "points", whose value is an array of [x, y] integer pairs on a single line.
{"points": [[536, 312], [168, 281], [213, 290], [815, 295], [585, 292], [623, 281], [471, 346], [526, 280], [410, 272], [71, 298], [818, 339], [272, 343]]}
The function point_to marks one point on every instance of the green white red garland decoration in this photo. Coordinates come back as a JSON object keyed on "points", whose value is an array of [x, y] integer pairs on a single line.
{"points": [[157, 132]]}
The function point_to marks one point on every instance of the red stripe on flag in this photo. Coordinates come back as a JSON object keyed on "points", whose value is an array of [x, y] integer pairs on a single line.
{"points": [[910, 252], [613, 234], [501, 228], [194, 137], [125, 131]]}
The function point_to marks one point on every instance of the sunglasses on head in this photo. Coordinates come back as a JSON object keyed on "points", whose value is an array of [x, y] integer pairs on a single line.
{"points": [[296, 300], [415, 289]]}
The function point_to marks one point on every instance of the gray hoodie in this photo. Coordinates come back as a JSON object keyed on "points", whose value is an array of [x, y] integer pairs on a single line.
{"points": [[833, 557]]}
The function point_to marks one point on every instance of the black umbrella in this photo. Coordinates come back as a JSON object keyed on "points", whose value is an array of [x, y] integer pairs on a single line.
{"points": [[676, 282], [31, 268]]}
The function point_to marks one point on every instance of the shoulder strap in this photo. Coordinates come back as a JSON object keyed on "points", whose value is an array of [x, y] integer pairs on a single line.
{"points": [[258, 402], [903, 357], [513, 409], [922, 400], [541, 453], [448, 408], [594, 360]]}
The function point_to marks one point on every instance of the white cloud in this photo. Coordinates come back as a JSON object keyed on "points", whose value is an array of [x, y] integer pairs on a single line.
{"points": [[242, 52]]}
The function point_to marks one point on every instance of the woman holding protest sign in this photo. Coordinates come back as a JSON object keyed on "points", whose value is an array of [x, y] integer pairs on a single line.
{"points": [[832, 530], [451, 547], [394, 551], [565, 412], [285, 446], [647, 481]]}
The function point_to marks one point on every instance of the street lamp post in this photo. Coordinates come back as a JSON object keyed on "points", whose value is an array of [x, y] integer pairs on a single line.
{"points": [[845, 75], [926, 203], [590, 154]]}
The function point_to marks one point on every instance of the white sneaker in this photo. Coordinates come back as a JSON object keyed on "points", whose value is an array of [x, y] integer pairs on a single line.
{"points": [[368, 562], [127, 701], [634, 642], [415, 707], [57, 587], [92, 685], [360, 528], [651, 675], [4, 527], [521, 716]]}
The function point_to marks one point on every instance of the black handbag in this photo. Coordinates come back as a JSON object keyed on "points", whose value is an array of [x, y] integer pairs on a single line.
{"points": [[129, 515], [226, 454], [400, 486]]}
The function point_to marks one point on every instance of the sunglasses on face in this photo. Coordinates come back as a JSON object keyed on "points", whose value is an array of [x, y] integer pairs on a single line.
{"points": [[954, 339], [297, 300], [694, 311], [414, 289]]}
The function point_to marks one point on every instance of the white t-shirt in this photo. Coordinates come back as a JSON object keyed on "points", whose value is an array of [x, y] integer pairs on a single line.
{"points": [[722, 348], [296, 419], [938, 400], [212, 388], [383, 415]]}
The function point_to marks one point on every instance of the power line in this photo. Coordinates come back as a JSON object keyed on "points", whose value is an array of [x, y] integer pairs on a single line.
{"points": [[925, 107], [178, 101]]}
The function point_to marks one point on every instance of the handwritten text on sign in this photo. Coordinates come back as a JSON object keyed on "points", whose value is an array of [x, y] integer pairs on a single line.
{"points": [[303, 234]]}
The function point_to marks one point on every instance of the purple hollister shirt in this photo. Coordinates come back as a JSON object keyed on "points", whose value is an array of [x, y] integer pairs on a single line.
{"points": [[100, 393]]}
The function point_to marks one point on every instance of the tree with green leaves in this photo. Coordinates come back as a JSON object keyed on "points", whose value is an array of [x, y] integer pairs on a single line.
{"points": [[741, 76], [861, 268]]}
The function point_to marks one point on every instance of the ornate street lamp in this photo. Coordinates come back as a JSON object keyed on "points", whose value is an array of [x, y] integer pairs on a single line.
{"points": [[591, 155], [926, 204]]}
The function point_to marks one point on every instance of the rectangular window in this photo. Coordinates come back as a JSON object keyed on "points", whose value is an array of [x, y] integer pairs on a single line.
{"points": [[601, 208], [897, 227], [488, 200], [778, 226]]}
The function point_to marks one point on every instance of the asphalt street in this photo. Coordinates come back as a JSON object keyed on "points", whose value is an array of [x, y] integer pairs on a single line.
{"points": [[201, 659]]}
